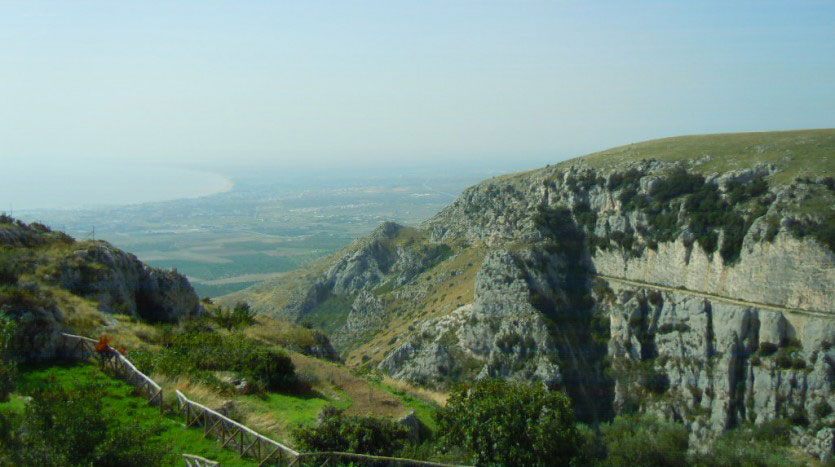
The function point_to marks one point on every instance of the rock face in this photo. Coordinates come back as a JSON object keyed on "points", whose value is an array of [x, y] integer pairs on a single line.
{"points": [[650, 285], [38, 267], [796, 273], [501, 334], [119, 282], [712, 365]]}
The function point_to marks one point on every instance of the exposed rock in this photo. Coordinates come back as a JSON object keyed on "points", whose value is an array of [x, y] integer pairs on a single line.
{"points": [[501, 335], [121, 283], [414, 425], [322, 348]]}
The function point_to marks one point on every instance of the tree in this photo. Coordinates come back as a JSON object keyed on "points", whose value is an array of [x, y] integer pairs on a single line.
{"points": [[67, 426], [510, 424], [343, 433]]}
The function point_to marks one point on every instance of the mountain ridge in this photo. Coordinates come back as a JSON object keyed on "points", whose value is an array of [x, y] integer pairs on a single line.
{"points": [[514, 294]]}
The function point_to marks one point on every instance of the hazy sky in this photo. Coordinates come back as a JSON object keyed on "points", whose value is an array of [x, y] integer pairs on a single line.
{"points": [[205, 83]]}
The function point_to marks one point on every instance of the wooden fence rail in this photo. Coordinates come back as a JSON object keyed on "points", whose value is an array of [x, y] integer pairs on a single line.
{"points": [[83, 348], [232, 434], [197, 461], [337, 458]]}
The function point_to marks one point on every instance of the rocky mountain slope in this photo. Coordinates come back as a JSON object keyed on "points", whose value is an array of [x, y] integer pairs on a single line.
{"points": [[690, 277], [52, 283]]}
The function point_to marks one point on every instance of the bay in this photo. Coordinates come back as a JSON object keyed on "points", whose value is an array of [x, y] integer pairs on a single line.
{"points": [[27, 186]]}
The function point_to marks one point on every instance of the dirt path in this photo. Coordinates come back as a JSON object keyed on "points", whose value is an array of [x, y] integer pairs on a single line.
{"points": [[718, 298]]}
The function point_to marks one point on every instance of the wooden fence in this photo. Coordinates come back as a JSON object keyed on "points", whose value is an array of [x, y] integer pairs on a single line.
{"points": [[197, 461], [83, 348], [341, 458], [230, 433]]}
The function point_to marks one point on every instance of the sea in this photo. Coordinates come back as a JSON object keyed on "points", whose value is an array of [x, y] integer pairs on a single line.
{"points": [[35, 186]]}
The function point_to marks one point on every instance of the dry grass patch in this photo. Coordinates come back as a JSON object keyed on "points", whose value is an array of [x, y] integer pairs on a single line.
{"points": [[336, 381], [437, 397], [278, 332]]}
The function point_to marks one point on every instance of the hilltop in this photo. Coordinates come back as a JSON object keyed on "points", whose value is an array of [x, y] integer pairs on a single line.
{"points": [[691, 278]]}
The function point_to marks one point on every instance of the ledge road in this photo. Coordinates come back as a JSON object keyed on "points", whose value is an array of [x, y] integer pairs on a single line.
{"points": [[719, 298]]}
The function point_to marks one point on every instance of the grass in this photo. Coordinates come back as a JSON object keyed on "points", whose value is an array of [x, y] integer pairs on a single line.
{"points": [[16, 404], [273, 413], [795, 153], [287, 410], [331, 314], [424, 402], [120, 404]]}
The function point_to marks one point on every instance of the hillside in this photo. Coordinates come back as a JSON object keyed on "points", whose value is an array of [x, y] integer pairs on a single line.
{"points": [[50, 283], [270, 374], [692, 278]]}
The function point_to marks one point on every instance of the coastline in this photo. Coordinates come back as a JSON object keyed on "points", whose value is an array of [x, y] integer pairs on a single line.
{"points": [[34, 188]]}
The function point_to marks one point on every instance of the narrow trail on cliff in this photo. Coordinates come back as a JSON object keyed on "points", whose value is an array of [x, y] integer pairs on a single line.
{"points": [[733, 301]]}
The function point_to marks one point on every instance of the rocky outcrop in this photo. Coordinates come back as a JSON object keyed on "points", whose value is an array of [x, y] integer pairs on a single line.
{"points": [[500, 335], [121, 283], [39, 324], [787, 270], [366, 313], [39, 266]]}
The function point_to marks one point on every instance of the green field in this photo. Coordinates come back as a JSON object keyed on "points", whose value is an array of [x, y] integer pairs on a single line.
{"points": [[120, 403]]}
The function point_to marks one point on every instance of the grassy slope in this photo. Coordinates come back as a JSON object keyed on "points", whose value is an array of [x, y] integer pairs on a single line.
{"points": [[121, 405], [275, 413], [795, 153]]}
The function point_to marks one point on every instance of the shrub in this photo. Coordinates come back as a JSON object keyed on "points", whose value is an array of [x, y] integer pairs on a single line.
{"points": [[653, 380], [783, 359], [66, 426], [199, 352], [510, 424], [767, 348], [270, 368], [822, 409], [762, 446], [239, 316], [342, 433], [8, 367], [643, 440]]}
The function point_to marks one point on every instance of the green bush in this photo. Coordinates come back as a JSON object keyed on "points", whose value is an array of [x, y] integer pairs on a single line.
{"points": [[822, 230], [643, 440], [8, 366], [199, 352], [508, 423], [768, 348], [764, 445], [653, 380], [341, 433], [822, 409], [238, 317], [66, 426]]}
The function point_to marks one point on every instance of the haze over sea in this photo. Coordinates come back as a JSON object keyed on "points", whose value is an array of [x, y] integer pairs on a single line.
{"points": [[30, 186]]}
